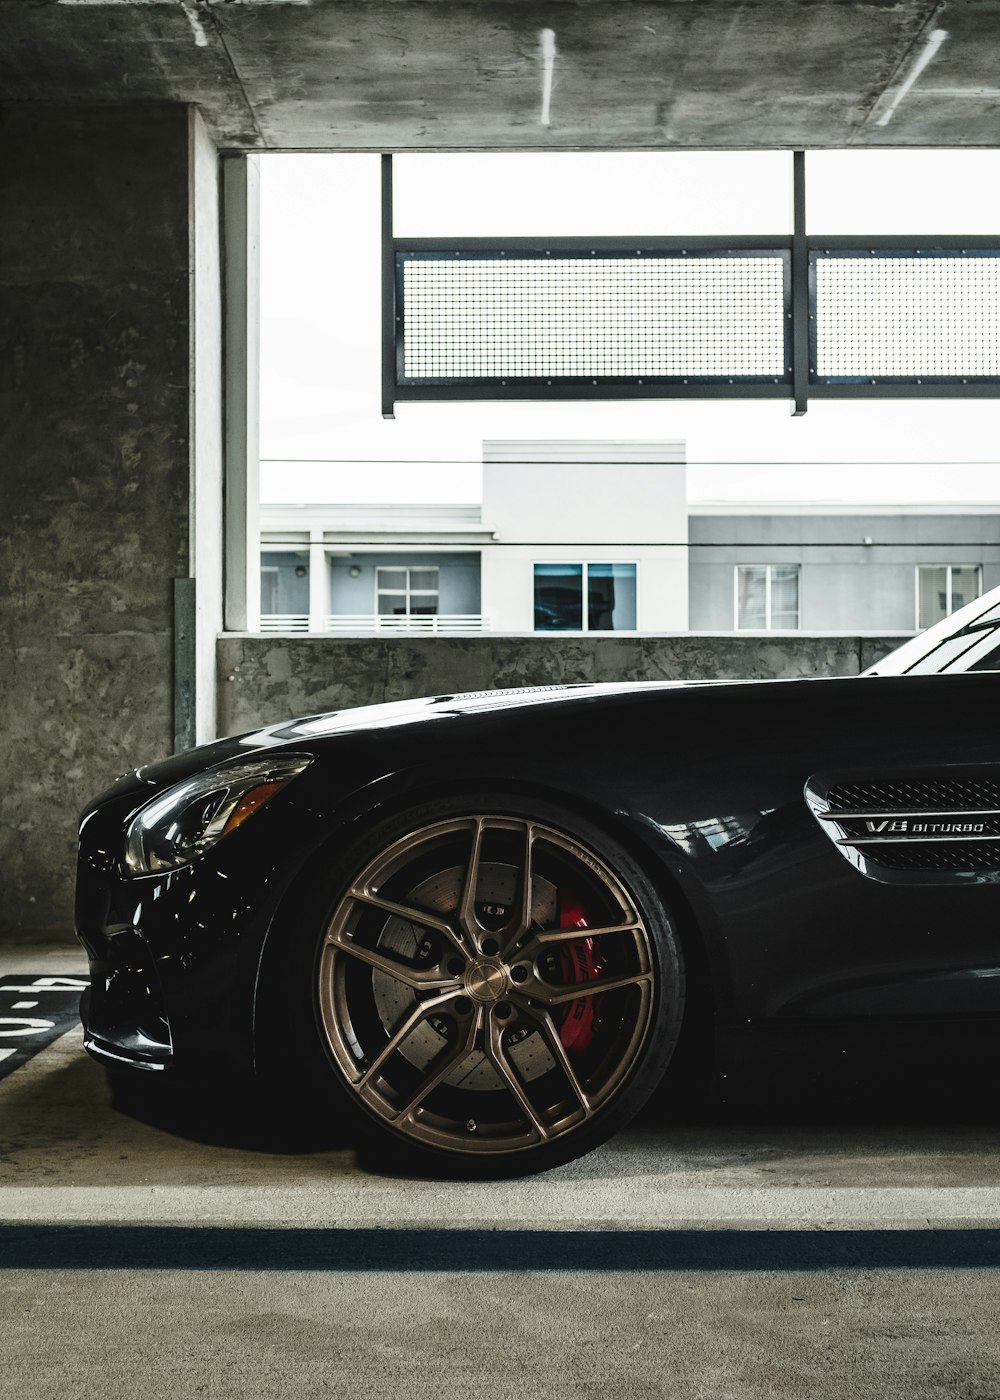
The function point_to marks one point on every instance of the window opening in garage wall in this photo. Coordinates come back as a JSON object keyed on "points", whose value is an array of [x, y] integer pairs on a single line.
{"points": [[851, 499], [890, 193], [606, 194], [777, 316], [614, 296]]}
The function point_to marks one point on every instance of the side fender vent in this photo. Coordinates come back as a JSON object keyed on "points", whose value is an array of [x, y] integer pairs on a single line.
{"points": [[938, 829]]}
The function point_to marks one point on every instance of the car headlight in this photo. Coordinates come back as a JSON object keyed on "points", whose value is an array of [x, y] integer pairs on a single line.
{"points": [[188, 819]]}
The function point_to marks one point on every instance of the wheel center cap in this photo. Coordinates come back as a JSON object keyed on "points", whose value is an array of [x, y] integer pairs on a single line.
{"points": [[486, 979]]}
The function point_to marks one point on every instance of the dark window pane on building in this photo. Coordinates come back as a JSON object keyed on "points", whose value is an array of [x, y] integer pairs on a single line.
{"points": [[558, 597], [611, 597]]}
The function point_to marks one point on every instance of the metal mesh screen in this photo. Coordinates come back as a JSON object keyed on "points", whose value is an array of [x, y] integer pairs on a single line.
{"points": [[477, 317], [907, 316]]}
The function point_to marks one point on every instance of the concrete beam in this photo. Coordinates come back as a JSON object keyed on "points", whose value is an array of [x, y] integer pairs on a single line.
{"points": [[446, 74]]}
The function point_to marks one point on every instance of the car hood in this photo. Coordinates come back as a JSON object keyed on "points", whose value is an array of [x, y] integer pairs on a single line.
{"points": [[392, 715], [441, 707]]}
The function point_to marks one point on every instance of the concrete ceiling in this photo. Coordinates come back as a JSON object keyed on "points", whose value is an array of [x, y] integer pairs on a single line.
{"points": [[426, 74]]}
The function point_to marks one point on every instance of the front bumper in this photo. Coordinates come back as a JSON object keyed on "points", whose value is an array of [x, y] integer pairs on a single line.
{"points": [[174, 957], [123, 1012], [164, 983]]}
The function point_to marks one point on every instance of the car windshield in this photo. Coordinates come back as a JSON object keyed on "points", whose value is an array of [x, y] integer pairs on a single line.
{"points": [[968, 640]]}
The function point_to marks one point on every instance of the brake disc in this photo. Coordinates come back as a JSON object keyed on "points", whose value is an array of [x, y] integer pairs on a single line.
{"points": [[498, 887]]}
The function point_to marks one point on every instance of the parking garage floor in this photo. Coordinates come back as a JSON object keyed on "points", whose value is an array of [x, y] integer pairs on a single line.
{"points": [[162, 1243]]}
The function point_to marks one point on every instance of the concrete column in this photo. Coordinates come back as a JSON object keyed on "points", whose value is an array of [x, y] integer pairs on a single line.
{"points": [[108, 433], [205, 415], [319, 583], [241, 212]]}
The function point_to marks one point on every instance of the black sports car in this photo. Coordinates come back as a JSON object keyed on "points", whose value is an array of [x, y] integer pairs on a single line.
{"points": [[487, 915]]}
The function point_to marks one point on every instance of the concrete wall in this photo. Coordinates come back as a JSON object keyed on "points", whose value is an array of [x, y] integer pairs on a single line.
{"points": [[845, 584], [97, 261], [266, 679]]}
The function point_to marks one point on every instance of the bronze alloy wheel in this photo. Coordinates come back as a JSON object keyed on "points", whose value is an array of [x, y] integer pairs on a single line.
{"points": [[488, 986]]}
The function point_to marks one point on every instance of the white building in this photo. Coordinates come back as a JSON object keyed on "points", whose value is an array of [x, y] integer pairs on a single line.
{"points": [[600, 537], [571, 536], [351, 568], [587, 536]]}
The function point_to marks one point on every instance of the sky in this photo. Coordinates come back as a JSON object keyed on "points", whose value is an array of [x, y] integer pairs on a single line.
{"points": [[322, 435]]}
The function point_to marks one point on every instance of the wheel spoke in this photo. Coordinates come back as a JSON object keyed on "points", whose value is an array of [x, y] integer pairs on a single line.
{"points": [[409, 1025], [549, 995], [545, 1024], [420, 917], [418, 979], [467, 920], [493, 1048], [549, 937], [450, 1061], [521, 922]]}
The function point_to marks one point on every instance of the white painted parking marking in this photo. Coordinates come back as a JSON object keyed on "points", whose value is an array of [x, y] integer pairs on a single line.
{"points": [[22, 1034], [47, 984]]}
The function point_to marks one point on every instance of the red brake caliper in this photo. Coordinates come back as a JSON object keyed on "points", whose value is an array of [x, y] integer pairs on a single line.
{"points": [[579, 963]]}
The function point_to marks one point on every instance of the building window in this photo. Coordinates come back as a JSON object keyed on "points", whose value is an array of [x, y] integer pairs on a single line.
{"points": [[269, 581], [767, 597], [284, 591], [585, 597], [943, 588], [405, 592]]}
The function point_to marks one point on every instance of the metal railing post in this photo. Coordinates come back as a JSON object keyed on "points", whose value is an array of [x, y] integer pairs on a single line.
{"points": [[388, 296], [800, 288]]}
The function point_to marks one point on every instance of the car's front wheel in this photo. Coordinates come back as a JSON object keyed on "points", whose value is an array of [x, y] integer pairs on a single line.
{"points": [[499, 989]]}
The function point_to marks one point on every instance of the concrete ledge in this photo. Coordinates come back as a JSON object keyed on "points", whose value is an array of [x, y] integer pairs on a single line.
{"points": [[264, 679]]}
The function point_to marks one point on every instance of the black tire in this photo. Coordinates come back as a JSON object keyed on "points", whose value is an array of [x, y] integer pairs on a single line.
{"points": [[538, 1039]]}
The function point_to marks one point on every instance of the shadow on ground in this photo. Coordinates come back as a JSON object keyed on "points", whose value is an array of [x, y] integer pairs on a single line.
{"points": [[244, 1113], [913, 1092]]}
